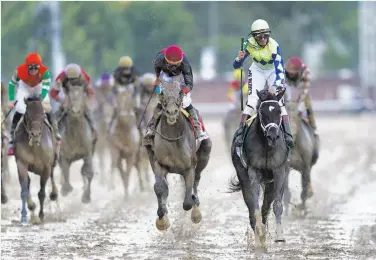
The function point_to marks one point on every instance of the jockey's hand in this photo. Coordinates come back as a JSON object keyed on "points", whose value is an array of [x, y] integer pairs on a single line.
{"points": [[11, 105], [157, 82], [185, 90], [272, 90], [241, 55]]}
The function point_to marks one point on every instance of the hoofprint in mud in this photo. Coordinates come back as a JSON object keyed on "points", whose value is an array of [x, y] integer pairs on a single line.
{"points": [[340, 223]]}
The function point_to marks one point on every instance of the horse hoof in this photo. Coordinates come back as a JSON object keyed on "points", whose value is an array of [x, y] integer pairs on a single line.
{"points": [[309, 191], [53, 196], [162, 224], [196, 216], [260, 233], [23, 221], [86, 199], [4, 199], [34, 220]]}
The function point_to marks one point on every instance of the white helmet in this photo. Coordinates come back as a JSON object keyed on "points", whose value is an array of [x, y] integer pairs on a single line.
{"points": [[259, 26], [148, 79], [72, 71]]}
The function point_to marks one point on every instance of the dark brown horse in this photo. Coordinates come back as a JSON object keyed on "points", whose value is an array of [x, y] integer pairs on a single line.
{"points": [[35, 151]]}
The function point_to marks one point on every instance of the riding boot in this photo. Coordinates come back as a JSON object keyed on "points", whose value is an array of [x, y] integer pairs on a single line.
{"points": [[288, 136], [201, 135], [90, 118], [52, 120], [16, 118], [152, 124], [239, 133]]}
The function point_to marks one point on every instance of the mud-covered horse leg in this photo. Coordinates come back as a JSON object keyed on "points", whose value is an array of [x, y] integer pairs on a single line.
{"points": [[203, 155], [23, 178], [139, 168], [161, 190], [130, 160], [65, 166], [54, 192], [268, 199], [115, 157], [87, 173], [306, 188], [42, 194], [287, 192], [259, 229], [279, 183], [4, 197], [189, 198]]}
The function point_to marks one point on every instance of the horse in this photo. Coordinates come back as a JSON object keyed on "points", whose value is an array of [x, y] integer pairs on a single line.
{"points": [[78, 140], [303, 155], [174, 150], [264, 162], [103, 111], [4, 160], [35, 151], [6, 124], [124, 138]]}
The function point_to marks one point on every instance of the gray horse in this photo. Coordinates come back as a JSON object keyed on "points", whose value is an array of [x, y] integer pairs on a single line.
{"points": [[78, 141], [125, 138], [35, 151], [174, 150], [303, 155], [265, 156], [4, 161]]}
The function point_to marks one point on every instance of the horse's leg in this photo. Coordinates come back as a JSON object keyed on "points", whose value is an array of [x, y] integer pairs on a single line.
{"points": [[64, 166], [4, 198], [258, 228], [88, 173], [287, 192], [306, 188], [54, 193], [138, 163], [23, 178], [279, 183], [42, 194], [130, 160], [115, 156], [203, 155], [268, 199], [161, 190]]}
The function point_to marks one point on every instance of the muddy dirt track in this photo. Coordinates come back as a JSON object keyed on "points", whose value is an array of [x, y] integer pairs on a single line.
{"points": [[341, 222]]}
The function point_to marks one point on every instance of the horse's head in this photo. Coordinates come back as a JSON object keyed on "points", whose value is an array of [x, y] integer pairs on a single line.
{"points": [[171, 100], [269, 113], [33, 119], [76, 97], [125, 103]]}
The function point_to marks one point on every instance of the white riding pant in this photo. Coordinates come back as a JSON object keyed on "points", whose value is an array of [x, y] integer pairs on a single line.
{"points": [[288, 98], [24, 91], [187, 100], [259, 79]]}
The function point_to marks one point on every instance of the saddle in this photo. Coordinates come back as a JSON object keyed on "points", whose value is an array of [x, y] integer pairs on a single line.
{"points": [[189, 118]]}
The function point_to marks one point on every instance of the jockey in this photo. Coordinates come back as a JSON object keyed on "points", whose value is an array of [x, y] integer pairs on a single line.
{"points": [[126, 75], [146, 87], [173, 62], [233, 93], [33, 78], [73, 73], [267, 68], [105, 81], [298, 76]]}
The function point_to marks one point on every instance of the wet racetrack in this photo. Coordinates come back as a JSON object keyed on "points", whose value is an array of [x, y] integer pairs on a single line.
{"points": [[341, 222]]}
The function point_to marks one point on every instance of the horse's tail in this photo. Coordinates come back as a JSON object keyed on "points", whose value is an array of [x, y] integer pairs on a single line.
{"points": [[234, 185]]}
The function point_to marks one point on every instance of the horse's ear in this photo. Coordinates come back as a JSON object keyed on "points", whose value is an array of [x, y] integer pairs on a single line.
{"points": [[258, 94], [281, 93]]}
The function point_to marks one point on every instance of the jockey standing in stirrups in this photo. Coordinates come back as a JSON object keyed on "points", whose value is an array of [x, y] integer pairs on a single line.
{"points": [[267, 68], [74, 74], [33, 78], [172, 62]]}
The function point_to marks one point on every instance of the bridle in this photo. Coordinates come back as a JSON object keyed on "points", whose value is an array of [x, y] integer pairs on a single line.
{"points": [[266, 127]]}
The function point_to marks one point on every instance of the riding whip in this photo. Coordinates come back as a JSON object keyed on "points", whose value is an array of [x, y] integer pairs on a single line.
{"points": [[10, 110], [146, 107], [241, 77]]}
